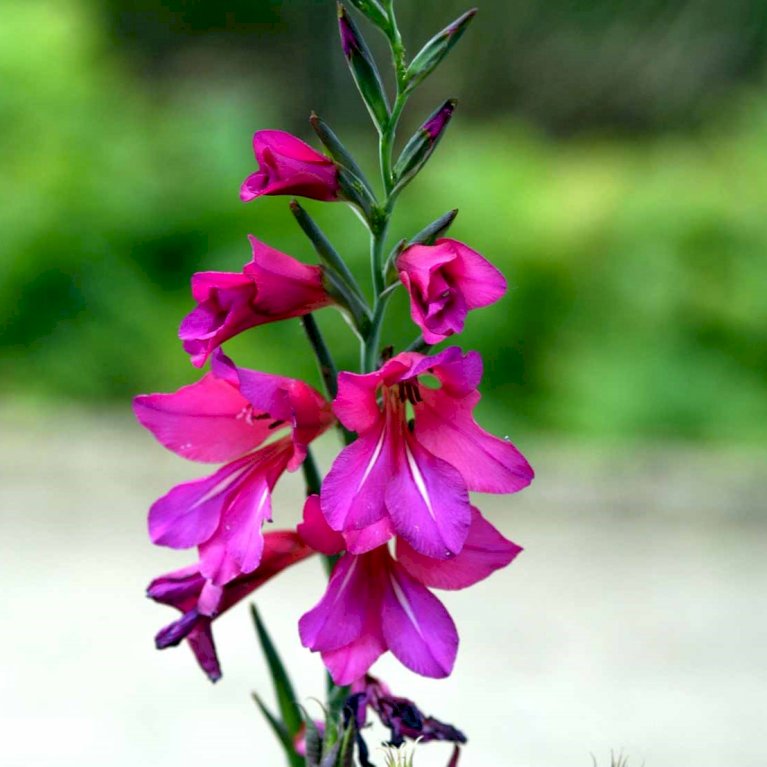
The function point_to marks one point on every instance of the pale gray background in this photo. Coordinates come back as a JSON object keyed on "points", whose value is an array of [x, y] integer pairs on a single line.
{"points": [[634, 620]]}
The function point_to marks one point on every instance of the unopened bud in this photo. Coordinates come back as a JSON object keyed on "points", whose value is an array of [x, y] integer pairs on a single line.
{"points": [[363, 68], [420, 147], [436, 49]]}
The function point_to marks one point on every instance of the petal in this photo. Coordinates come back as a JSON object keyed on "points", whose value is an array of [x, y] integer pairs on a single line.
{"points": [[427, 500], [446, 426], [458, 373], [179, 589], [189, 514], [204, 649], [286, 287], [340, 616], [283, 143], [484, 552], [349, 663], [206, 421], [480, 282], [355, 404], [370, 537], [416, 626], [353, 491], [316, 532]]}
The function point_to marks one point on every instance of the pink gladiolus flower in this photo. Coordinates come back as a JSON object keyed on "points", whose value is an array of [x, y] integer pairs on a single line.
{"points": [[200, 602], [289, 166], [273, 286], [228, 416], [412, 477], [445, 281], [375, 603]]}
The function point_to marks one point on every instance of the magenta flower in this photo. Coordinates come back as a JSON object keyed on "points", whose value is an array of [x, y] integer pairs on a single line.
{"points": [[375, 603], [445, 281], [200, 602], [412, 477], [289, 166], [227, 416], [273, 286]]}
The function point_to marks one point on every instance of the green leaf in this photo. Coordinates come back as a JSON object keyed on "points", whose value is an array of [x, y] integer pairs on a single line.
{"points": [[286, 697], [294, 760], [430, 56]]}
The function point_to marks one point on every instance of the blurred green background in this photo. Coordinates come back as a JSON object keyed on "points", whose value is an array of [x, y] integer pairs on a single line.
{"points": [[609, 156]]}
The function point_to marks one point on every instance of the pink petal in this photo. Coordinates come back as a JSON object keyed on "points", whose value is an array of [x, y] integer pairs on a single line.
{"points": [[316, 532], [446, 426], [189, 514], [355, 405], [349, 663], [286, 287], [416, 626], [484, 552], [339, 618], [353, 491], [205, 421], [480, 282], [427, 500], [370, 537]]}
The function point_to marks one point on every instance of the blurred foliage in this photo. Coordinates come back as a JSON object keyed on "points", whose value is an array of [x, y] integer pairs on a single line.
{"points": [[567, 64], [637, 268]]}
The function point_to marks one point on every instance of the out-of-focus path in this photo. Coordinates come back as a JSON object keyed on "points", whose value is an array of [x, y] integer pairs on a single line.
{"points": [[634, 620]]}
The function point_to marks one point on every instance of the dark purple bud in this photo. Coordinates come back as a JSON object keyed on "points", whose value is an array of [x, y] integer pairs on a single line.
{"points": [[349, 41], [437, 122]]}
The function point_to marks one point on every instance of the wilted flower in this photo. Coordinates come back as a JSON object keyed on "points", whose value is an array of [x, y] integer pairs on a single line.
{"points": [[201, 602]]}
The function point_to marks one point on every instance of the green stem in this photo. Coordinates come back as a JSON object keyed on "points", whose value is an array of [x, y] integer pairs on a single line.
{"points": [[327, 366], [312, 476]]}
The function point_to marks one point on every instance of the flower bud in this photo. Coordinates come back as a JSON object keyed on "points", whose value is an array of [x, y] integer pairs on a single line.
{"points": [[420, 147], [363, 68], [373, 10], [436, 49]]}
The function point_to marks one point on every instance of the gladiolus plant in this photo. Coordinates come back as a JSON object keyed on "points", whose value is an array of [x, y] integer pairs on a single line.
{"points": [[392, 519]]}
